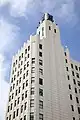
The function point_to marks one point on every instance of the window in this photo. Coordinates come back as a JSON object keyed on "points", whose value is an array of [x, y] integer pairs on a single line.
{"points": [[72, 107], [49, 27], [32, 79], [23, 96], [10, 88], [24, 66], [12, 95], [40, 54], [65, 53], [74, 81], [32, 90], [27, 63], [13, 72], [21, 62], [17, 113], [73, 118], [39, 32], [22, 55], [18, 65], [14, 64], [40, 62], [40, 81], [8, 108], [27, 73], [20, 118], [11, 106], [75, 90], [78, 83], [21, 108], [68, 77], [14, 77], [19, 89], [17, 73], [70, 97], [23, 85], [42, 31], [67, 68], [24, 76], [31, 116], [15, 69], [71, 65], [32, 103], [40, 46], [25, 105], [33, 70], [25, 117], [79, 110], [18, 100], [77, 100], [13, 114], [25, 58], [25, 51], [66, 61], [28, 48], [40, 116], [20, 80], [69, 86], [16, 61], [15, 103], [28, 55], [33, 60], [54, 30], [40, 104], [41, 71], [19, 58], [9, 117], [79, 90], [17, 83], [26, 83], [40, 92], [73, 73], [9, 98], [16, 92], [12, 80], [76, 67], [77, 75]]}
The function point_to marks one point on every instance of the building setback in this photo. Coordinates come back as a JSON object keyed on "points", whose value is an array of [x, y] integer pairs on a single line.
{"points": [[45, 81]]}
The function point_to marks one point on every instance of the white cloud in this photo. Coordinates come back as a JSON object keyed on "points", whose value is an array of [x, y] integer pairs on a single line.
{"points": [[62, 9], [2, 2], [8, 35], [4, 88]]}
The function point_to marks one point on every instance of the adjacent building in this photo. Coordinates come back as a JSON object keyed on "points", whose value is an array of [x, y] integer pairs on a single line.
{"points": [[44, 81]]}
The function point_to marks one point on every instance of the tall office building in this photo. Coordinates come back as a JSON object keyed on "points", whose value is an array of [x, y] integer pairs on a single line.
{"points": [[45, 81]]}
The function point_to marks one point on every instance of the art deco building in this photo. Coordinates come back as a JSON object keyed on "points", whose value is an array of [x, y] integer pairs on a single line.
{"points": [[45, 81]]}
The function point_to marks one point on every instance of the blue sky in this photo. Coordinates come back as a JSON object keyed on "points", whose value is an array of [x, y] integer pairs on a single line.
{"points": [[19, 19]]}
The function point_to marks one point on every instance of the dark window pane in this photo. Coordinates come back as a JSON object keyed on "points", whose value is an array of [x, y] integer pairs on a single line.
{"points": [[40, 54], [40, 46], [54, 30], [49, 27], [40, 81], [40, 92], [72, 107], [79, 110]]}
